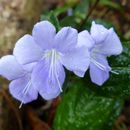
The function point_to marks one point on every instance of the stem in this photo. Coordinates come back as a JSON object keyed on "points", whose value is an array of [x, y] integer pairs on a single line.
{"points": [[90, 12]]}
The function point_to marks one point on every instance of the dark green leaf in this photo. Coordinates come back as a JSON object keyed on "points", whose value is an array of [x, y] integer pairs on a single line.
{"points": [[79, 14], [82, 109], [81, 10], [62, 9], [111, 4], [68, 21]]}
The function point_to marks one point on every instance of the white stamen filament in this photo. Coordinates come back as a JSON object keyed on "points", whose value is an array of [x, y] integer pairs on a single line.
{"points": [[54, 56], [25, 90], [102, 67], [58, 79], [20, 105], [26, 87], [114, 72], [52, 64]]}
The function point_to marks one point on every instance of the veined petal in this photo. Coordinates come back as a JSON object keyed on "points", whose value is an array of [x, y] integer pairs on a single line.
{"points": [[48, 79], [99, 69], [23, 90], [77, 60], [26, 50], [66, 39], [111, 45], [85, 39], [10, 68], [98, 32], [44, 33]]}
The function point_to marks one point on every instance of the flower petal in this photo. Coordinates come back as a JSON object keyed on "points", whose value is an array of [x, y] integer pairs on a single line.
{"points": [[85, 39], [66, 39], [23, 90], [111, 45], [29, 67], [79, 73], [97, 75], [99, 69], [44, 33], [98, 32], [26, 50], [9, 68], [77, 60], [48, 80]]}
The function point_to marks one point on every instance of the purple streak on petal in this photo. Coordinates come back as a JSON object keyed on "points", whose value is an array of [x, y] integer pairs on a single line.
{"points": [[23, 90], [98, 32], [9, 68], [85, 39], [26, 50], [48, 84], [44, 33], [111, 45], [66, 39], [77, 60]]}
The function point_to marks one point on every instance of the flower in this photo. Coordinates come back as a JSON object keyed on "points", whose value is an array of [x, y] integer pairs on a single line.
{"points": [[101, 43], [52, 52], [20, 87]]}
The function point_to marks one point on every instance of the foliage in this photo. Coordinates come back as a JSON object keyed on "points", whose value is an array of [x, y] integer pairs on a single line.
{"points": [[83, 109]]}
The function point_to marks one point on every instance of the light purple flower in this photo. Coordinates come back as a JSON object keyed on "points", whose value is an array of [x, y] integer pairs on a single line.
{"points": [[20, 87], [101, 43], [53, 52]]}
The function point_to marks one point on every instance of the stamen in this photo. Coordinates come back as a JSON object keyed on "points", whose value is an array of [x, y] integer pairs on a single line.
{"points": [[26, 87], [52, 64], [25, 90], [102, 67], [59, 85], [20, 105], [57, 75], [114, 72], [53, 56]]}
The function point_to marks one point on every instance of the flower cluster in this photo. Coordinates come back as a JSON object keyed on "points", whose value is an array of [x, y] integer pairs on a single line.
{"points": [[38, 60]]}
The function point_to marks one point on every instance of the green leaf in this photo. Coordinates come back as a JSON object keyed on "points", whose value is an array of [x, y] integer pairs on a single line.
{"points": [[62, 9], [82, 109], [79, 13], [50, 16], [71, 2], [81, 10], [117, 85], [111, 4], [68, 21]]}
